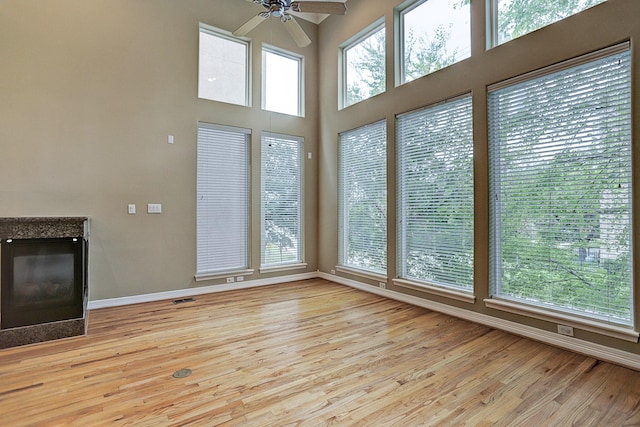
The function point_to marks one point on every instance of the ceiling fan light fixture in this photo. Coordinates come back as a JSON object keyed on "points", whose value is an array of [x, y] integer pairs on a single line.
{"points": [[280, 9]]}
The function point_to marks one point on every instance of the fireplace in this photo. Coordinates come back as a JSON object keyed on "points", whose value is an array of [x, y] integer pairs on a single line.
{"points": [[43, 279]]}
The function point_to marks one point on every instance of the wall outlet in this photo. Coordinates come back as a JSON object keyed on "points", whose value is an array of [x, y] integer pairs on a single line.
{"points": [[382, 285], [333, 272], [154, 208], [230, 280], [565, 330], [240, 279]]}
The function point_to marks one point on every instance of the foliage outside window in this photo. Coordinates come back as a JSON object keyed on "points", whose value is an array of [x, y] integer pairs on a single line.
{"points": [[434, 34], [222, 199], [561, 188], [281, 200], [223, 67], [364, 67], [363, 198], [515, 18], [435, 194], [281, 82]]}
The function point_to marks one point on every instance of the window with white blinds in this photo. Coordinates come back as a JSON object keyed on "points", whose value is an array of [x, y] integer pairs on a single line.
{"points": [[281, 212], [223, 199], [435, 194], [560, 170], [363, 198]]}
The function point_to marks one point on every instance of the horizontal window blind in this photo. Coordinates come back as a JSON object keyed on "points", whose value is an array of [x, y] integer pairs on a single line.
{"points": [[435, 194], [281, 210], [363, 198], [560, 153], [223, 199]]}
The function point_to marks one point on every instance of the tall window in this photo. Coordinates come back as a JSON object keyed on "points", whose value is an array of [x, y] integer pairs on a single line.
{"points": [[363, 65], [281, 200], [282, 82], [363, 198], [223, 67], [561, 187], [222, 199], [435, 195], [434, 34], [515, 18]]}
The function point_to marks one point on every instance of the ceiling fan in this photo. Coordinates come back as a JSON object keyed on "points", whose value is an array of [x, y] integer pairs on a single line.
{"points": [[281, 8]]}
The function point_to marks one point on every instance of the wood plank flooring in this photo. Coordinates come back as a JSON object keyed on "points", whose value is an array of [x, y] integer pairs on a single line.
{"points": [[309, 353]]}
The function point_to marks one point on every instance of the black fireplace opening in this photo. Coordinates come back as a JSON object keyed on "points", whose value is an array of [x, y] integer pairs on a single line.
{"points": [[42, 281]]}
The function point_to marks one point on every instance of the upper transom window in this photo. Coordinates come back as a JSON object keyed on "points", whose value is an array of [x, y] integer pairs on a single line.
{"points": [[363, 65], [514, 18], [434, 34], [282, 82], [223, 69]]}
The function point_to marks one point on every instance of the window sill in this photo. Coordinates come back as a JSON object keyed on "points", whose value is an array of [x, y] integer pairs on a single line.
{"points": [[222, 274], [362, 273], [283, 267], [436, 290], [614, 331]]}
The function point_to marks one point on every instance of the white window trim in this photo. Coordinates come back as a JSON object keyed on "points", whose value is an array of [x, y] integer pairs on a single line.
{"points": [[362, 273], [436, 290], [398, 17], [368, 31], [342, 236], [283, 267], [222, 275], [213, 274], [602, 327], [301, 72], [454, 292], [620, 332], [246, 41], [301, 243]]}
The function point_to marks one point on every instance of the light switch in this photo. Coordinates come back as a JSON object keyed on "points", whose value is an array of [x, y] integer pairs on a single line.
{"points": [[170, 139], [154, 208], [131, 209]]}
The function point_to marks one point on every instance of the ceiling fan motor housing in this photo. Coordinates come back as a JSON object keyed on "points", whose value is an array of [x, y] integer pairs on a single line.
{"points": [[276, 8]]}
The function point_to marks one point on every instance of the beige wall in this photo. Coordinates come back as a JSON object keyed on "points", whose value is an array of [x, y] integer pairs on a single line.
{"points": [[90, 89], [596, 28], [89, 92]]}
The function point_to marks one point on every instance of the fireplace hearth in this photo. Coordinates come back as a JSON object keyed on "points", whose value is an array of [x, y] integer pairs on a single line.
{"points": [[43, 279]]}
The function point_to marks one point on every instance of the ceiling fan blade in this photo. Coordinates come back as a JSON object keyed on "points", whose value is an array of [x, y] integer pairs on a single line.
{"points": [[295, 30], [248, 26], [328, 7]]}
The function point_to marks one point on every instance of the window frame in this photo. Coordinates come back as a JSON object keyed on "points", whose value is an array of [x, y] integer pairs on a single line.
{"points": [[399, 14], [299, 261], [493, 36], [343, 228], [205, 186], [225, 35], [344, 48], [599, 323], [451, 290], [299, 59]]}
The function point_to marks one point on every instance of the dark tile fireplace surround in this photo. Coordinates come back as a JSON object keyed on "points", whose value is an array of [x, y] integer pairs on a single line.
{"points": [[44, 289]]}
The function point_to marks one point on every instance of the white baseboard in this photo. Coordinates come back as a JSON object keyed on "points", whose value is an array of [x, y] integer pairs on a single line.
{"points": [[598, 351], [201, 290]]}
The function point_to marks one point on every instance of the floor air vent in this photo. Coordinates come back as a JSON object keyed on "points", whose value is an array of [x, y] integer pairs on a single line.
{"points": [[183, 300]]}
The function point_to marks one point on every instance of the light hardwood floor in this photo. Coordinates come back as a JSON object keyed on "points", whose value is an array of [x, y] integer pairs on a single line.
{"points": [[306, 353]]}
